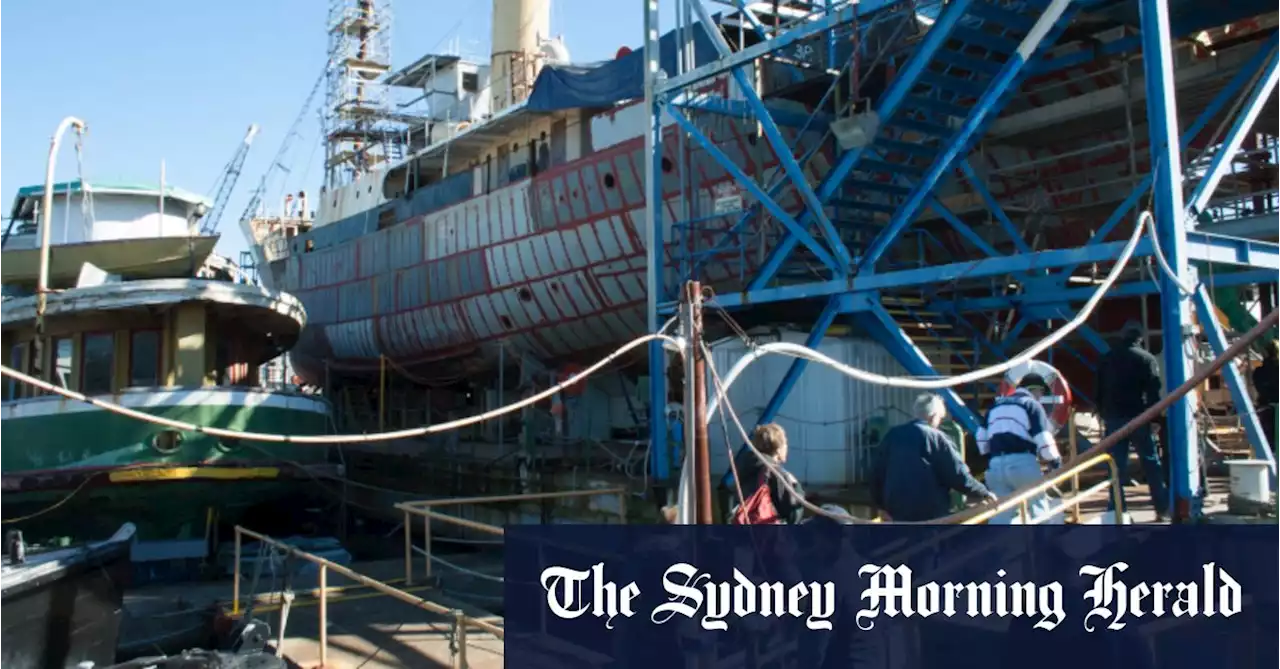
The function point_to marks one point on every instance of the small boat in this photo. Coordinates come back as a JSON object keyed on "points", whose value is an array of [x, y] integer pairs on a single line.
{"points": [[63, 607]]}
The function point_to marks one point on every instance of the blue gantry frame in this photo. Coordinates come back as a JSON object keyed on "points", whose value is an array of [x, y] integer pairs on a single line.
{"points": [[950, 84]]}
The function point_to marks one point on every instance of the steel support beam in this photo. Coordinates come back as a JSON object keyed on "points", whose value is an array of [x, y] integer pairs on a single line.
{"points": [[1080, 294], [977, 117], [797, 34], [781, 149], [655, 258], [789, 380], [886, 331], [993, 206], [795, 228], [1162, 118], [1235, 381], [1242, 126], [902, 84], [1220, 101]]}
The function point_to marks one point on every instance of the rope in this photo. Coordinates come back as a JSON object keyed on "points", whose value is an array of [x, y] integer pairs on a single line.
{"points": [[56, 504], [1144, 221], [340, 438], [458, 567]]}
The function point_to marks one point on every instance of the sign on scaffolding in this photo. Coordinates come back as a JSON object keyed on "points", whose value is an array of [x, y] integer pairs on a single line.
{"points": [[728, 198]]}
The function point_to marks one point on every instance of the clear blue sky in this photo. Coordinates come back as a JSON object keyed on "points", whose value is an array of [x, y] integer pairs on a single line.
{"points": [[181, 81]]}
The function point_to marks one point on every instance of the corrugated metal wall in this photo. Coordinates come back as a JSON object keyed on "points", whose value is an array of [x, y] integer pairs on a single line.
{"points": [[826, 414]]}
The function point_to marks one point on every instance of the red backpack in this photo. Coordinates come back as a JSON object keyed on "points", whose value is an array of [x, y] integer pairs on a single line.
{"points": [[758, 509]]}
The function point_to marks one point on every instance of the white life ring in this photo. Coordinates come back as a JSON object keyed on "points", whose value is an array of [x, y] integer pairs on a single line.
{"points": [[1057, 402]]}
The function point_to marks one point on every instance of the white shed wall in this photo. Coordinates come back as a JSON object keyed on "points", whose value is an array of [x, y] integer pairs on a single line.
{"points": [[824, 415]]}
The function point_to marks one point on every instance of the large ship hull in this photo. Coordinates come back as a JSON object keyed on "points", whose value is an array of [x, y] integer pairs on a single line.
{"points": [[552, 267]]}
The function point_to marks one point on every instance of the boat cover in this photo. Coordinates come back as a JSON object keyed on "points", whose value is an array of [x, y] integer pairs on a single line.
{"points": [[607, 83]]}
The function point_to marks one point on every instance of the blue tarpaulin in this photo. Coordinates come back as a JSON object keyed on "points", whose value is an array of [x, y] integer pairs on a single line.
{"points": [[607, 83]]}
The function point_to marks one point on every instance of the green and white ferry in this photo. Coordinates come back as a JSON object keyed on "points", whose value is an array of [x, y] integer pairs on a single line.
{"points": [[140, 313]]}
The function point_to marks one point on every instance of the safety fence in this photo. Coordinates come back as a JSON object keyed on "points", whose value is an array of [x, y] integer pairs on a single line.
{"points": [[425, 509], [460, 621]]}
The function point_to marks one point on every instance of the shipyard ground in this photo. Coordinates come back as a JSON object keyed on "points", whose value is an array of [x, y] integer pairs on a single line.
{"points": [[367, 629]]}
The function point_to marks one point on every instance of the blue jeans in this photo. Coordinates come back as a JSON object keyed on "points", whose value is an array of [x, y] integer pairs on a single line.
{"points": [[1145, 444], [1008, 473]]}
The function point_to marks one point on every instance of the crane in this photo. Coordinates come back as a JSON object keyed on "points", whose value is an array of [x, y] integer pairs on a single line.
{"points": [[255, 254], [227, 183]]}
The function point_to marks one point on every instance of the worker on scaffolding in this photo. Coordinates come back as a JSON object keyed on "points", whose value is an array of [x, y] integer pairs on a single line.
{"points": [[1018, 436], [1128, 385], [917, 467]]}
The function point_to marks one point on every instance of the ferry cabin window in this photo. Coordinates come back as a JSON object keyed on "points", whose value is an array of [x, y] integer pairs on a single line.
{"points": [[62, 362], [144, 358], [96, 365], [15, 361]]}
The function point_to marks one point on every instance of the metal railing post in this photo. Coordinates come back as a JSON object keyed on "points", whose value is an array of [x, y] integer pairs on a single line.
{"points": [[408, 550], [324, 616], [1073, 440], [460, 638], [235, 586], [426, 545]]}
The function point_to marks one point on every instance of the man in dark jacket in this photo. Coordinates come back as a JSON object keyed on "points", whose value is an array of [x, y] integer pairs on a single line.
{"points": [[1129, 384], [917, 467], [1265, 384]]}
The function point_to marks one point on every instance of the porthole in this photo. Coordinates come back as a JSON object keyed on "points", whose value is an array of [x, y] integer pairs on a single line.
{"points": [[666, 165], [752, 139], [506, 322], [228, 444], [167, 442], [609, 181], [524, 294]]}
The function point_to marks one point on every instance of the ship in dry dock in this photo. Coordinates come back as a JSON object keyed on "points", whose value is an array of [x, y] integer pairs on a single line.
{"points": [[143, 314]]}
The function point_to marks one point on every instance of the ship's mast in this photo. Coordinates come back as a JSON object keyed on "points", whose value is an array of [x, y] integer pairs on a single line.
{"points": [[360, 135]]}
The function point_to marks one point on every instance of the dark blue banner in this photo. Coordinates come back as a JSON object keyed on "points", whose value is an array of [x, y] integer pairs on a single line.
{"points": [[815, 596]]}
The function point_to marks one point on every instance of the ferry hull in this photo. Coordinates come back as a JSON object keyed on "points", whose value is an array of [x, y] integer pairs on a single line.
{"points": [[551, 267], [115, 469]]}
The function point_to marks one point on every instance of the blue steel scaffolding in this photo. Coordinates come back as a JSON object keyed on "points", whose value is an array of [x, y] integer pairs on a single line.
{"points": [[936, 173]]}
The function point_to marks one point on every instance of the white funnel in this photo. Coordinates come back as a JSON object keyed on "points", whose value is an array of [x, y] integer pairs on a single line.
{"points": [[519, 26]]}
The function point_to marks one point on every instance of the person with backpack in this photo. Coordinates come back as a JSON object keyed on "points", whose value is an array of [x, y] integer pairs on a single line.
{"points": [[916, 468], [765, 500]]}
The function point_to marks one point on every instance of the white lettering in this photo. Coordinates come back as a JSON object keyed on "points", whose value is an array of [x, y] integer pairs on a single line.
{"points": [[1113, 600], [607, 600], [692, 592], [890, 590]]}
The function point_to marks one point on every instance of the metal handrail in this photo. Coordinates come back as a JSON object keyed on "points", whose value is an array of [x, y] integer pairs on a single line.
{"points": [[461, 621], [1022, 499], [425, 510]]}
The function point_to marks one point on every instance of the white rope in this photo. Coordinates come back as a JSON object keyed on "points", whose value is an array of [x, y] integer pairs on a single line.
{"points": [[1145, 221], [341, 438]]}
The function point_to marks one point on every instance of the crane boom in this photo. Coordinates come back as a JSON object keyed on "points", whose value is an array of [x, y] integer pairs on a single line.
{"points": [[227, 182]]}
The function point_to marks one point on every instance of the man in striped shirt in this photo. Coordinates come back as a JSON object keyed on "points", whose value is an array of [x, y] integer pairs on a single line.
{"points": [[1018, 436]]}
